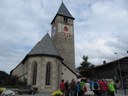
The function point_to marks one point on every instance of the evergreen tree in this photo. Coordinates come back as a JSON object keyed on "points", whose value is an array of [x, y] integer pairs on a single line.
{"points": [[86, 69]]}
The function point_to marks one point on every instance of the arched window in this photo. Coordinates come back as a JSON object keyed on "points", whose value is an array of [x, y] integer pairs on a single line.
{"points": [[48, 73], [34, 73]]}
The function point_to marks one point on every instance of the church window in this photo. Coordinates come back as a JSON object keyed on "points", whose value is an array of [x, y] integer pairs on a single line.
{"points": [[34, 73], [65, 20], [48, 71]]}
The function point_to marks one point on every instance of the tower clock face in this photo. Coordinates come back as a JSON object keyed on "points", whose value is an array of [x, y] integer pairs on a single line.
{"points": [[66, 29]]}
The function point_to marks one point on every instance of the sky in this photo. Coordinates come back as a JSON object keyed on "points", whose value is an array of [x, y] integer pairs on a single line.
{"points": [[100, 28]]}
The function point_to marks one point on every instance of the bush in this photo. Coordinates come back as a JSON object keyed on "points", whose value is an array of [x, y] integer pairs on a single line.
{"points": [[2, 89], [15, 81], [57, 93]]}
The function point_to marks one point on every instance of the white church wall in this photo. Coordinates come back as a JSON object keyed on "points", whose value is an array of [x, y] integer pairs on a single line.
{"points": [[33, 60], [58, 72], [18, 71], [41, 72], [67, 75], [25, 69]]}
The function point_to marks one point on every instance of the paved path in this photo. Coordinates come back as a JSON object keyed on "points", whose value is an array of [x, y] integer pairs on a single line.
{"points": [[122, 93], [38, 94], [119, 93]]}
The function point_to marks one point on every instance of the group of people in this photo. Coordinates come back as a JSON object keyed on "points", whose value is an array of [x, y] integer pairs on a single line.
{"points": [[86, 87]]}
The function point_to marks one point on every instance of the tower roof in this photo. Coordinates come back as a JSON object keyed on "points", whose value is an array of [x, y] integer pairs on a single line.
{"points": [[44, 47], [63, 11]]}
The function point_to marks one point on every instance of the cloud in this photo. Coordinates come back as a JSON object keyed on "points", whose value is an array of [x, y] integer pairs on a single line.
{"points": [[100, 28], [106, 22]]}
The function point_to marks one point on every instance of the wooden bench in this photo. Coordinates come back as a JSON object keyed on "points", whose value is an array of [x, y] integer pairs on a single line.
{"points": [[28, 90]]}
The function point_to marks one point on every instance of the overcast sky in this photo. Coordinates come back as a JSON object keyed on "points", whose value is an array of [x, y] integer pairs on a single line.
{"points": [[101, 28]]}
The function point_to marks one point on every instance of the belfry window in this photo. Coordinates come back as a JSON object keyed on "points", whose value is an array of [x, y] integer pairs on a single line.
{"points": [[48, 73], [34, 73], [65, 20]]}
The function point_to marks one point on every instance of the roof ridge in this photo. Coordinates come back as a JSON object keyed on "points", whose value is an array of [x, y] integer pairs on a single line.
{"points": [[45, 47], [44, 41]]}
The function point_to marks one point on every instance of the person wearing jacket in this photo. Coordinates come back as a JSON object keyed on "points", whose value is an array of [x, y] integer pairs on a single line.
{"points": [[96, 88], [103, 88], [111, 87]]}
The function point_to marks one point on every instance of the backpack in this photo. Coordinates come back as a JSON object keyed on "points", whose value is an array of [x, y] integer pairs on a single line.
{"points": [[96, 85], [81, 85], [84, 88]]}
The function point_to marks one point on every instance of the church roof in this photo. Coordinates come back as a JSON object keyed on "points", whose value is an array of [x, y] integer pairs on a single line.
{"points": [[44, 47], [63, 11]]}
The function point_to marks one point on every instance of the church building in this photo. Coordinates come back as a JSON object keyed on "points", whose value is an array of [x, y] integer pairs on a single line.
{"points": [[53, 57]]}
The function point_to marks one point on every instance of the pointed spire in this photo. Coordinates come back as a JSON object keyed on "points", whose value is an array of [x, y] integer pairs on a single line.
{"points": [[63, 11]]}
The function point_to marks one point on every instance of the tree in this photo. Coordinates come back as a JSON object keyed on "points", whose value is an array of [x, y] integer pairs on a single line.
{"points": [[10, 80], [86, 69], [3, 76]]}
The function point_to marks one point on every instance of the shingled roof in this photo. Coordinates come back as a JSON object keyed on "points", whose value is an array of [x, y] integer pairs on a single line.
{"points": [[44, 47], [63, 11]]}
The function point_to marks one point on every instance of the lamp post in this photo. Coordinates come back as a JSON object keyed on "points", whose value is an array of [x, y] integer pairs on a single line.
{"points": [[119, 70]]}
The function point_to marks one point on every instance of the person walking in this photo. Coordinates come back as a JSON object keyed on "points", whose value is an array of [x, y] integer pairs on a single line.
{"points": [[72, 88], [82, 83], [66, 84], [78, 88], [62, 87], [96, 88], [111, 87], [87, 89], [103, 88]]}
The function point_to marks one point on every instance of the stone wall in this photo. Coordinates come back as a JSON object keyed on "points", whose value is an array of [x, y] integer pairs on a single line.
{"points": [[18, 70], [64, 42], [67, 75], [41, 73]]}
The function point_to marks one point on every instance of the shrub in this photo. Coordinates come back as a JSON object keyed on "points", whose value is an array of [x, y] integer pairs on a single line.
{"points": [[2, 89], [57, 93]]}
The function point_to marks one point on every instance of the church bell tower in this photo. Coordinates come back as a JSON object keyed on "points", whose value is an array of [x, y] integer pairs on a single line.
{"points": [[63, 35]]}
